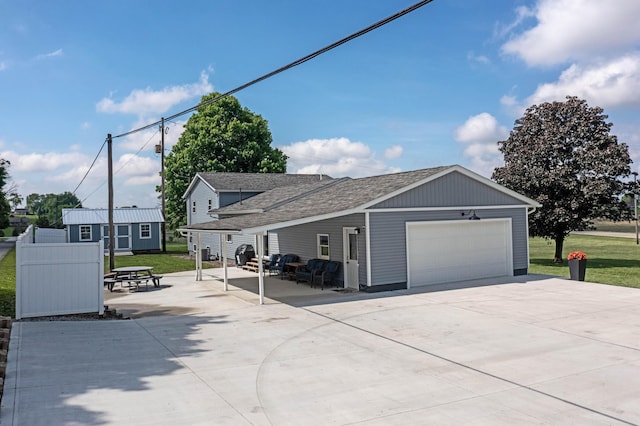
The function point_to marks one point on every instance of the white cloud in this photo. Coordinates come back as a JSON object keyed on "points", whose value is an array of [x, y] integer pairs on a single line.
{"points": [[42, 162], [481, 59], [337, 157], [393, 152], [151, 137], [576, 29], [144, 102], [480, 133], [53, 54], [607, 84], [482, 128], [522, 12]]}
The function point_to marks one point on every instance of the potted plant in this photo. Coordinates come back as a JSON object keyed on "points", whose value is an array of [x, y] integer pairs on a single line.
{"points": [[577, 265]]}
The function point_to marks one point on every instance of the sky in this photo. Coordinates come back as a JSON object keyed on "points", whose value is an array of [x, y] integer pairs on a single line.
{"points": [[439, 86]]}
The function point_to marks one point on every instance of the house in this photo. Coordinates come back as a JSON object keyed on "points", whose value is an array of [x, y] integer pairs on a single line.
{"points": [[137, 230], [394, 231], [210, 191]]}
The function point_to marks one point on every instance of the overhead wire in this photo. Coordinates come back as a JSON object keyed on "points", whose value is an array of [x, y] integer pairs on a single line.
{"points": [[293, 64], [288, 66]]}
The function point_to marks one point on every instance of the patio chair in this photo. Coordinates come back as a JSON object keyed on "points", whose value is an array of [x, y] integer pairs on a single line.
{"points": [[305, 273], [273, 263], [327, 275], [287, 258]]}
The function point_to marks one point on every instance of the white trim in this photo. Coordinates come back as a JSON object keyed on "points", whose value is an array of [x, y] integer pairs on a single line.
{"points": [[193, 183], [367, 241], [80, 233], [451, 208], [320, 246], [140, 225]]}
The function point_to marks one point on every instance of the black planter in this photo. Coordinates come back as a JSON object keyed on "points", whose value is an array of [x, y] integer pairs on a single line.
{"points": [[577, 269]]}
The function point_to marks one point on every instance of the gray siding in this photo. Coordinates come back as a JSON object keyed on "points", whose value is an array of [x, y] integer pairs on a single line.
{"points": [[152, 243], [388, 240], [74, 233], [302, 240], [227, 198], [201, 194], [454, 189]]}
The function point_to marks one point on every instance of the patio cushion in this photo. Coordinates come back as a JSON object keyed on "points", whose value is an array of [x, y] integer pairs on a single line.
{"points": [[305, 273]]}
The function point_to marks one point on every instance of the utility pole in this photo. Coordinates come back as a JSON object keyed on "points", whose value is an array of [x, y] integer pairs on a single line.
{"points": [[112, 239], [163, 226]]}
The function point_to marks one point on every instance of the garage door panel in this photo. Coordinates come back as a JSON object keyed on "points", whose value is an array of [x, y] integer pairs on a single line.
{"points": [[440, 252]]}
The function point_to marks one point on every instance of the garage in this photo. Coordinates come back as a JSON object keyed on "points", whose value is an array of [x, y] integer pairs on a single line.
{"points": [[448, 251]]}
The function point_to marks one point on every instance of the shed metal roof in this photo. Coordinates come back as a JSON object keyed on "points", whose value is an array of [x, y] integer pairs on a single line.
{"points": [[101, 216]]}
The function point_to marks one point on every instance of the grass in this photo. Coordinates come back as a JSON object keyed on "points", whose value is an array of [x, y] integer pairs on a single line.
{"points": [[176, 259], [610, 260], [8, 285], [628, 226]]}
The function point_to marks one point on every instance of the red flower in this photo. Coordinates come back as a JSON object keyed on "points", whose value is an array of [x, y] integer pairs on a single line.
{"points": [[577, 255]]}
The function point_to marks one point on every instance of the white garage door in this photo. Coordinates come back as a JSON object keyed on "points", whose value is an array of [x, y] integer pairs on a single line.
{"points": [[441, 252]]}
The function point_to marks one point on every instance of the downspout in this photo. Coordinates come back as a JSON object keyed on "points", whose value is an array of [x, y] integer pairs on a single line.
{"points": [[367, 244]]}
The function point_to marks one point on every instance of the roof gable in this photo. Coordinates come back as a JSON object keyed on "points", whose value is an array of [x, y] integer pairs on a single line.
{"points": [[451, 190], [250, 182]]}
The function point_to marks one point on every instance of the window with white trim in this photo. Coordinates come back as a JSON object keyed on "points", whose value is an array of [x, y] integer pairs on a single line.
{"points": [[193, 207], [145, 231], [209, 205], [229, 238], [323, 246], [85, 232]]}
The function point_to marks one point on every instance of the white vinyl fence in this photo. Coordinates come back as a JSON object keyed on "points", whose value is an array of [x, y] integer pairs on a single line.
{"points": [[58, 278]]}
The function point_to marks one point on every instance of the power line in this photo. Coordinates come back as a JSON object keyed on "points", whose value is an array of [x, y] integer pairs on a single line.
{"points": [[90, 167], [288, 66]]}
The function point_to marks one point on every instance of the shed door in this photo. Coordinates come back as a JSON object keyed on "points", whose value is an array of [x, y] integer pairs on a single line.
{"points": [[448, 251]]}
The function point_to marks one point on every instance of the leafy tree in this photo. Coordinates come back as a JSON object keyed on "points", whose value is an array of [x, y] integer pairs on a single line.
{"points": [[220, 137], [49, 207], [5, 207], [562, 155], [15, 199]]}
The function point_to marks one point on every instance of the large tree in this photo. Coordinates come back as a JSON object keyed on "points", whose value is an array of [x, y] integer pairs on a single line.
{"points": [[5, 207], [562, 155], [49, 207], [220, 137]]}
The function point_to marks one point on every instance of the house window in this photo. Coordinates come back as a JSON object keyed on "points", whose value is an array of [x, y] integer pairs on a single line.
{"points": [[145, 230], [265, 244], [193, 207], [209, 205], [229, 238], [323, 246], [85, 232]]}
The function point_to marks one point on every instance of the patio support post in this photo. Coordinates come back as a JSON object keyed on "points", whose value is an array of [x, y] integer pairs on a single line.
{"points": [[260, 244], [199, 258], [223, 244]]}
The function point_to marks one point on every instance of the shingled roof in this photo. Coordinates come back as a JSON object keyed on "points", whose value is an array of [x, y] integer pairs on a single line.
{"points": [[252, 182], [333, 198]]}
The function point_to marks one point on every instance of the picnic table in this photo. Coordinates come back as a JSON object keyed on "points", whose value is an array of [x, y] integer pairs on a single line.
{"points": [[133, 275]]}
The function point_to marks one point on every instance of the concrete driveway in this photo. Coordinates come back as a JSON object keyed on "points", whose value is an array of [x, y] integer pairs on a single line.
{"points": [[534, 350]]}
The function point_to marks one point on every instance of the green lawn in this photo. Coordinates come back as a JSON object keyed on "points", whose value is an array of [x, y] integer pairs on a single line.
{"points": [[8, 285], [610, 260], [175, 260]]}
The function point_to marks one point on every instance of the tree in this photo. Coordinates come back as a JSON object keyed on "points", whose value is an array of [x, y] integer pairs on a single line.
{"points": [[5, 207], [562, 155], [220, 137], [49, 207], [15, 199]]}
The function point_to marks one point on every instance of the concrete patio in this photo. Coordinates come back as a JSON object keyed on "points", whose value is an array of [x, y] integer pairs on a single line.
{"points": [[529, 350]]}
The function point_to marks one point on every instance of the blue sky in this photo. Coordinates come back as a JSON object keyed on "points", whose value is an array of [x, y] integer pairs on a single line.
{"points": [[438, 86]]}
